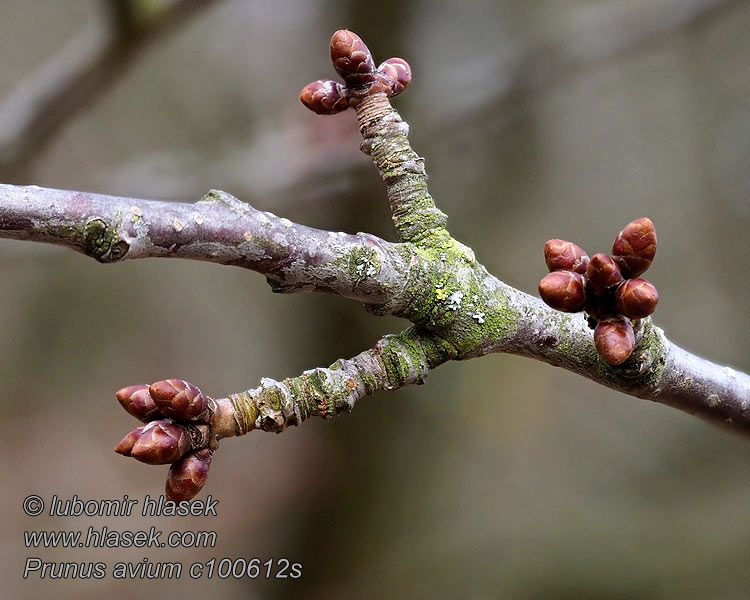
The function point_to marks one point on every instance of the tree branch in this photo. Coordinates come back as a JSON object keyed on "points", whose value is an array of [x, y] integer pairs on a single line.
{"points": [[384, 135], [457, 308], [394, 362], [218, 228], [444, 290]]}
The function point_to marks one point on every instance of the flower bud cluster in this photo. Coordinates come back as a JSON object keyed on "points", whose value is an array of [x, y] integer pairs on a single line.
{"points": [[353, 60], [607, 288], [171, 409]]}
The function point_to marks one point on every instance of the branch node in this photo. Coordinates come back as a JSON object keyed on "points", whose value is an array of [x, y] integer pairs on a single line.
{"points": [[101, 241]]}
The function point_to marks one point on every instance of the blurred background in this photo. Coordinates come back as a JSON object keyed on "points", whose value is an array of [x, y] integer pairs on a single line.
{"points": [[500, 478]]}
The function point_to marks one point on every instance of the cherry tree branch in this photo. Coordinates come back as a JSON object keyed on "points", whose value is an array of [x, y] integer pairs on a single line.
{"points": [[217, 228], [394, 362], [458, 310], [388, 277]]}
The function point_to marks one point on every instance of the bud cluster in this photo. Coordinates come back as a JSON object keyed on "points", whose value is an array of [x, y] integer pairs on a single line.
{"points": [[607, 288], [171, 409], [353, 61]]}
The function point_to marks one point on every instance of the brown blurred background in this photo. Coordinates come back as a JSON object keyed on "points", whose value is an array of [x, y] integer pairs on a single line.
{"points": [[500, 478]]}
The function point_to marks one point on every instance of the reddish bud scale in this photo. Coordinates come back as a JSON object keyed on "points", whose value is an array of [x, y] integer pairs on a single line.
{"points": [[126, 444], [188, 475], [635, 247], [136, 400], [397, 73], [563, 290], [352, 58], [324, 97], [161, 443], [562, 255], [601, 274], [614, 339], [178, 399], [636, 298]]}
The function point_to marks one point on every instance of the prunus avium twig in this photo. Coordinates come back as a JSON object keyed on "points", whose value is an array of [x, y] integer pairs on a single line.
{"points": [[457, 309]]}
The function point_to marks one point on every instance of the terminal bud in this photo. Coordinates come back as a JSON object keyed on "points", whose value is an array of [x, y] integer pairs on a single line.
{"points": [[614, 339], [126, 444], [636, 298], [160, 443], [178, 399], [398, 74], [563, 290], [188, 475], [352, 58], [635, 247], [602, 273], [559, 255], [137, 401], [324, 97]]}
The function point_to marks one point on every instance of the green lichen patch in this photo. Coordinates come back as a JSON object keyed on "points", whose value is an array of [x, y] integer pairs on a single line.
{"points": [[100, 241], [369, 381], [457, 299], [409, 355], [212, 196], [363, 262]]}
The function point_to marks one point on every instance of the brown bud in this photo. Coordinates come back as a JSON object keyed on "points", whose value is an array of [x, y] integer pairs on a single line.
{"points": [[398, 74], [563, 290], [614, 339], [126, 444], [136, 400], [560, 254], [188, 475], [351, 58], [161, 443], [178, 399], [636, 298], [602, 273], [635, 247], [324, 97]]}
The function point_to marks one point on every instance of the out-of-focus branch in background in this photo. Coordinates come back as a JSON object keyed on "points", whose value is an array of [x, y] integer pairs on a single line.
{"points": [[596, 34], [89, 64]]}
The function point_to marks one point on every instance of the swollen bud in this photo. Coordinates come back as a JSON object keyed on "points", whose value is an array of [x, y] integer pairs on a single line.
{"points": [[635, 247], [324, 97], [602, 273], [351, 58], [636, 298], [161, 443], [126, 444], [178, 399], [614, 339], [559, 255], [398, 74], [136, 400], [188, 475], [563, 290]]}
